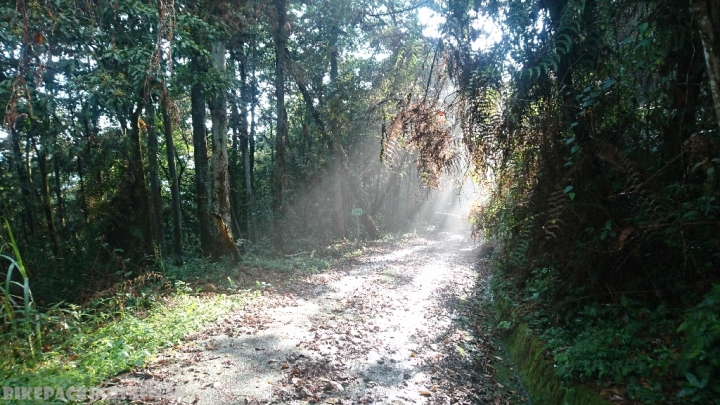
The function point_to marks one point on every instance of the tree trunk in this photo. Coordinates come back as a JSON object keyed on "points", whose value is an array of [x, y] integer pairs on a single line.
{"points": [[706, 14], [234, 164], [205, 224], [221, 209], [239, 213], [277, 201], [47, 202], [241, 143], [174, 182], [58, 188], [245, 141], [253, 105], [81, 194], [248, 185], [235, 170], [24, 181], [138, 187], [249, 157], [155, 192], [337, 167], [86, 156]]}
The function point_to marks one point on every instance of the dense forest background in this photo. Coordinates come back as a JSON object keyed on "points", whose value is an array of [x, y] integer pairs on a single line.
{"points": [[142, 133], [139, 132]]}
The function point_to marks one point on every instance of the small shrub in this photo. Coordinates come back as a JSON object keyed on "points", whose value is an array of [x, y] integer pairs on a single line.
{"points": [[700, 360]]}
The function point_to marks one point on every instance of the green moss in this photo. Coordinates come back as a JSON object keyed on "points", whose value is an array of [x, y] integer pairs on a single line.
{"points": [[537, 372]]}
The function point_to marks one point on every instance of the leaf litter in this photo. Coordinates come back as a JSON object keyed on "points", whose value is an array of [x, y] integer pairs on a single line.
{"points": [[404, 323]]}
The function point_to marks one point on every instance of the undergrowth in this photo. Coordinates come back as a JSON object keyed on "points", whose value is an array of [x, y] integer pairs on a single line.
{"points": [[86, 351], [650, 355], [70, 345]]}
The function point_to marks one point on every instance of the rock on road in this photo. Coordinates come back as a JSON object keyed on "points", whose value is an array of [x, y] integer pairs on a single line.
{"points": [[403, 323]]}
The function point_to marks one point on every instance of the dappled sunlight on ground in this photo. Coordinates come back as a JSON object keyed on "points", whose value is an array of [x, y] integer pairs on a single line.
{"points": [[388, 326]]}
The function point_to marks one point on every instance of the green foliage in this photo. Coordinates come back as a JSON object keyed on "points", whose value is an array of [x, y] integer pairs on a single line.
{"points": [[18, 317], [621, 344], [86, 352], [73, 346], [700, 360], [600, 160]]}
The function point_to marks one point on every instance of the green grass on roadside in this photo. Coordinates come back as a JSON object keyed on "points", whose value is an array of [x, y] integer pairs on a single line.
{"points": [[94, 352]]}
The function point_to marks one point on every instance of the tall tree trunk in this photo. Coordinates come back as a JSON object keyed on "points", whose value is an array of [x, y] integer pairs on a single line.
{"points": [[337, 167], [205, 224], [253, 105], [24, 180], [47, 202], [155, 192], [241, 170], [707, 16], [244, 146], [235, 174], [138, 187], [82, 193], [249, 157], [277, 201], [174, 181], [245, 141], [86, 156], [58, 187], [221, 209]]}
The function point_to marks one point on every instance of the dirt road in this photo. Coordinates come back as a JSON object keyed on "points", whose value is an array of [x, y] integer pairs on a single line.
{"points": [[403, 323]]}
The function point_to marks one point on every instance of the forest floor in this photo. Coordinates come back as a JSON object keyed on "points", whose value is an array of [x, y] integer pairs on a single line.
{"points": [[403, 322]]}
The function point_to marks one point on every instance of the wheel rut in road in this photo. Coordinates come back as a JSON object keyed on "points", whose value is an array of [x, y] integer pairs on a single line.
{"points": [[403, 323]]}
